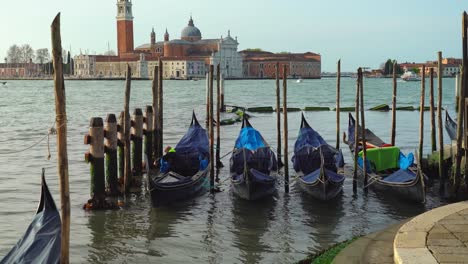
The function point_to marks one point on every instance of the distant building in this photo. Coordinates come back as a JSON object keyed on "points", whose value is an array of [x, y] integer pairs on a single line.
{"points": [[184, 58], [450, 66], [20, 70], [262, 64]]}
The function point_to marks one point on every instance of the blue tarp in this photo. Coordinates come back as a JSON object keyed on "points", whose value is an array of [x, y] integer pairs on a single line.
{"points": [[307, 150], [250, 139], [195, 140], [41, 242], [330, 175], [406, 161], [400, 176]]}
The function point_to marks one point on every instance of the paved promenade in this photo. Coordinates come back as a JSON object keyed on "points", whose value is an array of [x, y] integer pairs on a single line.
{"points": [[437, 236]]}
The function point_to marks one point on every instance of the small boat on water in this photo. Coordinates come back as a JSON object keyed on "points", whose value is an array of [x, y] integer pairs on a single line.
{"points": [[41, 242], [299, 80], [186, 174], [410, 76], [388, 169], [450, 126], [253, 165], [319, 166]]}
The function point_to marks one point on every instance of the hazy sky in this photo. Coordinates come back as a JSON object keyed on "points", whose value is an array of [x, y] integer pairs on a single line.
{"points": [[360, 32]]}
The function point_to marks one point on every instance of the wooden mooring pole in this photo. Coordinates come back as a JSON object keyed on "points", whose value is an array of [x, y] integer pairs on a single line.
{"points": [[61, 124], [440, 125], [462, 111], [110, 149], [394, 100], [432, 110], [126, 132], [338, 83], [223, 107], [160, 123], [207, 99], [421, 114], [120, 149], [219, 164], [457, 91], [148, 132], [285, 129], [95, 157], [211, 130], [154, 88], [356, 136], [363, 128], [137, 146], [278, 116]]}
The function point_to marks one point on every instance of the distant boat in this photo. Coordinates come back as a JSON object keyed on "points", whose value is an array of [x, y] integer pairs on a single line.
{"points": [[410, 76], [299, 80]]}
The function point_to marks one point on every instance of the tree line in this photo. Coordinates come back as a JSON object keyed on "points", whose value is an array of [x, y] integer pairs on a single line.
{"points": [[387, 67], [25, 53]]}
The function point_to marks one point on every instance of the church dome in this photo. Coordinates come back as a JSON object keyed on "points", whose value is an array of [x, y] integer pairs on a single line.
{"points": [[191, 32]]}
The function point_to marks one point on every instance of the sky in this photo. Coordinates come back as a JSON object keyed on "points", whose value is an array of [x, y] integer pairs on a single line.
{"points": [[362, 33]]}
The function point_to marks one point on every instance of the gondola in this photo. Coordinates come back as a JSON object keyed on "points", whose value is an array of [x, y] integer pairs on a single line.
{"points": [[388, 169], [41, 242], [450, 126], [253, 165], [319, 166], [186, 174]]}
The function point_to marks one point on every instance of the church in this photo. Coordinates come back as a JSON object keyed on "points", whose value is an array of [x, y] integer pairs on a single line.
{"points": [[184, 58], [189, 56]]}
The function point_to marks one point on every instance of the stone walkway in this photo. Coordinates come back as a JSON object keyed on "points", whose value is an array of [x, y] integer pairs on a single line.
{"points": [[437, 236], [374, 248]]}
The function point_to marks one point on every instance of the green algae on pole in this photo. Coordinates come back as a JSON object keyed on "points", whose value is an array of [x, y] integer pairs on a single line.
{"points": [[110, 149], [62, 154]]}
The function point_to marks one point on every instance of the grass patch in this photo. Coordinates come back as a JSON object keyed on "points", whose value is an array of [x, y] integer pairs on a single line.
{"points": [[327, 256]]}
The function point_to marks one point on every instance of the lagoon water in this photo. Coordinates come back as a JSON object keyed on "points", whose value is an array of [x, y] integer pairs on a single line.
{"points": [[208, 229]]}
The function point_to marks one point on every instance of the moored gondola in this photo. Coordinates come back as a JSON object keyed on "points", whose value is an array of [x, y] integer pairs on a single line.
{"points": [[319, 166], [450, 126], [183, 171], [41, 242], [253, 165], [388, 169]]}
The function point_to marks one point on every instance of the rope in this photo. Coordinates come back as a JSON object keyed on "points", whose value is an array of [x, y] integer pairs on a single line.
{"points": [[51, 131]]}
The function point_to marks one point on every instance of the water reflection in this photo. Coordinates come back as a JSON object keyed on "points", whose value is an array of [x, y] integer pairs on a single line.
{"points": [[251, 220]]}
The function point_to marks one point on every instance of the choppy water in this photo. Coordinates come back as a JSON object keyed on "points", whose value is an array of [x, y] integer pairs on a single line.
{"points": [[209, 229]]}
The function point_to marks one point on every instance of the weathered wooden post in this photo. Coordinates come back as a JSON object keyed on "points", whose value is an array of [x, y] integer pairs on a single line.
{"points": [[223, 107], [363, 128], [219, 164], [154, 88], [285, 129], [356, 135], [120, 148], [278, 116], [462, 111], [95, 156], [207, 99], [457, 91], [160, 124], [394, 97], [440, 125], [126, 130], [137, 148], [61, 122], [338, 83], [432, 110], [148, 131], [110, 149], [421, 115], [211, 130]]}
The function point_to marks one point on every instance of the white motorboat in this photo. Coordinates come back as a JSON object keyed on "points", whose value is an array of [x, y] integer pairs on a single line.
{"points": [[410, 76]]}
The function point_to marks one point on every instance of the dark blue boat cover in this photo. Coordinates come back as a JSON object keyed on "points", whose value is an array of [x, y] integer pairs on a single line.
{"points": [[331, 175], [195, 140], [250, 139], [307, 150], [400, 176], [252, 150], [41, 242]]}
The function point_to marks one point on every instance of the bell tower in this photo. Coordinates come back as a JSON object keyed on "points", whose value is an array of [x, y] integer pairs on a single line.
{"points": [[124, 27]]}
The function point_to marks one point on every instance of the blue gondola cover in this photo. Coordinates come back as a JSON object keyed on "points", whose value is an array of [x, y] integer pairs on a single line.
{"points": [[41, 242]]}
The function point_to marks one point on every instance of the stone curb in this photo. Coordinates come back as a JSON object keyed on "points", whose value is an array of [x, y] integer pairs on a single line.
{"points": [[409, 245]]}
